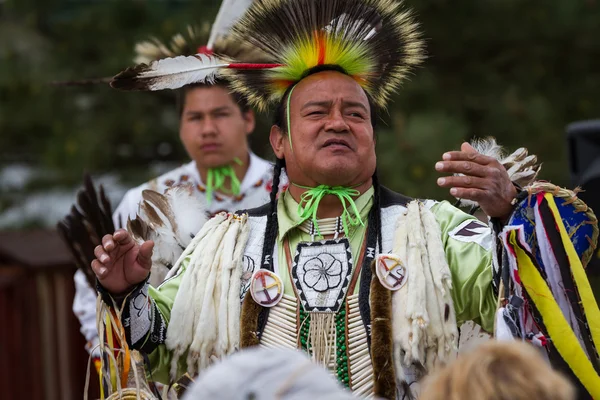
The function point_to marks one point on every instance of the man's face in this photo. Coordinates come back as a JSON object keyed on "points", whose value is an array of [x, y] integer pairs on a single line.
{"points": [[213, 129], [331, 132]]}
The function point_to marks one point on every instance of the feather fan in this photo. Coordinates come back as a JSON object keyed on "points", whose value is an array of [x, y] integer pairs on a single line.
{"points": [[83, 228], [170, 220]]}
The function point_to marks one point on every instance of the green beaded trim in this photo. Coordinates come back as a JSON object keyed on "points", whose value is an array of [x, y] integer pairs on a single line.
{"points": [[341, 352], [304, 318], [342, 365]]}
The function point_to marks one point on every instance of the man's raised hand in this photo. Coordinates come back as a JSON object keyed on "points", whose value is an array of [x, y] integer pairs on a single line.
{"points": [[484, 180], [121, 263]]}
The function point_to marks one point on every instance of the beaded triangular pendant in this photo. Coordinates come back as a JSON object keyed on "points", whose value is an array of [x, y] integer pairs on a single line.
{"points": [[321, 273]]}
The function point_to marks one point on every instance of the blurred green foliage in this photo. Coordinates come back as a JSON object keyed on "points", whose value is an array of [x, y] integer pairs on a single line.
{"points": [[519, 70]]}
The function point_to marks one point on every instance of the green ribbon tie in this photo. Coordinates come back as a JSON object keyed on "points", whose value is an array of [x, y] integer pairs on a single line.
{"points": [[216, 178], [313, 196]]}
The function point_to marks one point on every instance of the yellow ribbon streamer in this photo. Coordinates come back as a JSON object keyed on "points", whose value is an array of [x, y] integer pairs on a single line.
{"points": [[560, 331], [111, 346], [586, 295]]}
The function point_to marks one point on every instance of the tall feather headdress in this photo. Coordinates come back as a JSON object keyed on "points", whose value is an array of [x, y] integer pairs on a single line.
{"points": [[376, 42]]}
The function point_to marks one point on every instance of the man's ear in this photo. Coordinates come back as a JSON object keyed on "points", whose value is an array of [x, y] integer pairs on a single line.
{"points": [[277, 137], [250, 119]]}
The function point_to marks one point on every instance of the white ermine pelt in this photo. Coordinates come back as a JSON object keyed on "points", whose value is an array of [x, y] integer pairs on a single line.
{"points": [[206, 312], [170, 220], [416, 303], [424, 323], [180, 334], [442, 286], [522, 168]]}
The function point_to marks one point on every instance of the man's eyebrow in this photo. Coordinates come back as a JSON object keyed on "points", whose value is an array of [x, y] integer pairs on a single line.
{"points": [[222, 108], [323, 103], [355, 104], [194, 112], [214, 110]]}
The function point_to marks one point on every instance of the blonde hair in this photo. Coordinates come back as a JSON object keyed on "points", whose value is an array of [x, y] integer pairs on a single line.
{"points": [[498, 371]]}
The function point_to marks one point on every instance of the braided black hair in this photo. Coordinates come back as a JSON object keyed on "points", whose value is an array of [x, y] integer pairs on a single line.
{"points": [[377, 210], [271, 229], [364, 290]]}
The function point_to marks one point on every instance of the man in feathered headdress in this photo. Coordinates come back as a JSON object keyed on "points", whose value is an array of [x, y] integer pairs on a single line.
{"points": [[369, 282]]}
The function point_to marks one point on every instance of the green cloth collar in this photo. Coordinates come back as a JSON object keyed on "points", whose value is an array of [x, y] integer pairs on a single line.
{"points": [[288, 218]]}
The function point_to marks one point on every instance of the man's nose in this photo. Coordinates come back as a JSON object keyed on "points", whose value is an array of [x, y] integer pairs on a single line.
{"points": [[336, 122], [208, 128]]}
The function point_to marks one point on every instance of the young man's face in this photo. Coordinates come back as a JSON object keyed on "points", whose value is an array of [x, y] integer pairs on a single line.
{"points": [[213, 128]]}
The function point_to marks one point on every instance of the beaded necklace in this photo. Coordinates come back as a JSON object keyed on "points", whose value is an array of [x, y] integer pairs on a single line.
{"points": [[323, 226]]}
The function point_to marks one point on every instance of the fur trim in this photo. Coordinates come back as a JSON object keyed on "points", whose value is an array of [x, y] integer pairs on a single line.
{"points": [[381, 339], [205, 314], [424, 323], [249, 322]]}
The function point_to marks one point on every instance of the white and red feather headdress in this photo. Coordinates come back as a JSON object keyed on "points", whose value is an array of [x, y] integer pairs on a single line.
{"points": [[376, 42]]}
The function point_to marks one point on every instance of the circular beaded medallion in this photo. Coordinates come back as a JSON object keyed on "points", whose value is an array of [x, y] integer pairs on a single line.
{"points": [[266, 288], [390, 271]]}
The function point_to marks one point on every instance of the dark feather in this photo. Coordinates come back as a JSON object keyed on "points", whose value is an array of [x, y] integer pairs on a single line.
{"points": [[129, 79], [85, 225], [83, 82], [66, 232], [106, 210], [138, 229], [161, 202]]}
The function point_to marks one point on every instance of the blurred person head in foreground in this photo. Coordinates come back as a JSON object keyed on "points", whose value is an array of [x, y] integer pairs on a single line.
{"points": [[498, 371], [260, 373]]}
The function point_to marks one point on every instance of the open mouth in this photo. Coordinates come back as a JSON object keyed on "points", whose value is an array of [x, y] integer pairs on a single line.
{"points": [[336, 143]]}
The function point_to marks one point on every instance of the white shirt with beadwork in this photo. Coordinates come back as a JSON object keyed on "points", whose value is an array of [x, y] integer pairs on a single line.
{"points": [[254, 190]]}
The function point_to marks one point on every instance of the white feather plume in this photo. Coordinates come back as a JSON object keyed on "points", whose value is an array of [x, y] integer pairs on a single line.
{"points": [[173, 73], [170, 73], [229, 12], [488, 146], [171, 221]]}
